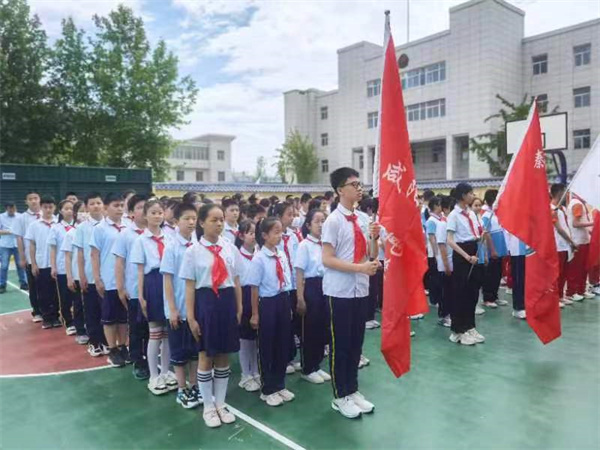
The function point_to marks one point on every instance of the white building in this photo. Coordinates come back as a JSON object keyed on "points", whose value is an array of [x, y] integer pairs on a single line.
{"points": [[206, 158], [450, 87]]}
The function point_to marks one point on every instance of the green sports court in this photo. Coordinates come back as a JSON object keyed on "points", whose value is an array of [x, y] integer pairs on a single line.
{"points": [[511, 392]]}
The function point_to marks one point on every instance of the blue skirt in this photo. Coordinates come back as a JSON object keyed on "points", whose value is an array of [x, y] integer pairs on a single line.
{"points": [[217, 317], [153, 294], [246, 331]]}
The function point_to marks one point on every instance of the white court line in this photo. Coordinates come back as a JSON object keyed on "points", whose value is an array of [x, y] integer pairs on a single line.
{"points": [[17, 288], [48, 374], [265, 429], [15, 312]]}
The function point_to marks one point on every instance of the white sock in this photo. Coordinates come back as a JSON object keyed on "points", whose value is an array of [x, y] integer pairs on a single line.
{"points": [[245, 357], [153, 348], [165, 355], [254, 358], [205, 384], [221, 380]]}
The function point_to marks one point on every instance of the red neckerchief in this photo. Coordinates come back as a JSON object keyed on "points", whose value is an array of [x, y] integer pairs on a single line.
{"points": [[159, 244], [67, 227], [360, 243], [465, 213], [440, 218], [286, 238], [117, 227], [49, 225], [219, 269], [279, 270]]}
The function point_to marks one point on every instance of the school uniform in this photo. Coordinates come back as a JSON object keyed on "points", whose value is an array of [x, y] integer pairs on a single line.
{"points": [[466, 287], [74, 298], [8, 248], [299, 221], [289, 245], [435, 279], [518, 251], [559, 215], [493, 271], [230, 233], [347, 295], [246, 331], [39, 233], [65, 301], [19, 230], [138, 325], [169, 230], [447, 293], [272, 276], [103, 238], [181, 341], [577, 268], [215, 303]]}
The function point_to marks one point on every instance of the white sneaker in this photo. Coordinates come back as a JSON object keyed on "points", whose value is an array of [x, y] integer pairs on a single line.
{"points": [[596, 290], [297, 366], [369, 325], [314, 378], [171, 380], [248, 384], [211, 417], [363, 362], [324, 375], [479, 310], [561, 305], [508, 291], [377, 324], [363, 404], [577, 297], [157, 385], [412, 333], [416, 317], [492, 305], [290, 369], [105, 349], [567, 301], [225, 415], [501, 302], [252, 386], [467, 339], [476, 335], [455, 337], [588, 295], [71, 331], [519, 314], [346, 407], [272, 399], [286, 395], [257, 380], [37, 318], [447, 322]]}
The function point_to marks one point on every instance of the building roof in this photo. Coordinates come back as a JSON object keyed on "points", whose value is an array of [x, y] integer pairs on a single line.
{"points": [[212, 137]]}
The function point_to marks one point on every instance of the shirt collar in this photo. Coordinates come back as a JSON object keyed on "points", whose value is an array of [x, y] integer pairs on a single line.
{"points": [[345, 211], [246, 252], [111, 223], [230, 228], [206, 243], [183, 241], [269, 252], [64, 223], [31, 213], [311, 238], [149, 234]]}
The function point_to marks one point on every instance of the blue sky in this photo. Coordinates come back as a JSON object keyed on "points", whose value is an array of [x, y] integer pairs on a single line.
{"points": [[244, 53]]}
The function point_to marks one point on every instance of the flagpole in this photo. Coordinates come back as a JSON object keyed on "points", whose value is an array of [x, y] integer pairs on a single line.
{"points": [[480, 242]]}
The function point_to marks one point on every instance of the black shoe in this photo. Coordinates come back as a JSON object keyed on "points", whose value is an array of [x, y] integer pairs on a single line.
{"points": [[141, 371], [114, 358], [46, 324], [2, 289], [125, 354], [56, 323], [24, 287]]}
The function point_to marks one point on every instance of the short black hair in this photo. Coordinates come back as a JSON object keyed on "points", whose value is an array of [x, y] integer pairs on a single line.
{"points": [[91, 195], [433, 202], [244, 227], [202, 215], [9, 204], [339, 176], [227, 202], [112, 197], [428, 194], [447, 202], [189, 197], [254, 210], [171, 203], [557, 188], [365, 204], [490, 196], [265, 202], [315, 203], [460, 190], [47, 200], [182, 208], [252, 199], [279, 209], [134, 200], [264, 226], [309, 218], [328, 195], [306, 197], [70, 193], [32, 191]]}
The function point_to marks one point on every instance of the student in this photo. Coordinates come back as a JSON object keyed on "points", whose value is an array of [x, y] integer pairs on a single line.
{"points": [[580, 224], [114, 313], [517, 250], [256, 213], [37, 234], [32, 199], [91, 300], [147, 253], [72, 273], [463, 236], [57, 263], [126, 277], [213, 296], [435, 277], [232, 214], [271, 305], [246, 242], [181, 342], [444, 264], [304, 208], [72, 197], [8, 246], [127, 194], [169, 226], [346, 286], [312, 305]]}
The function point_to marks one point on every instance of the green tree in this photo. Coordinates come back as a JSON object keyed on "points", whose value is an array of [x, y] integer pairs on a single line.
{"points": [[297, 157], [26, 120]]}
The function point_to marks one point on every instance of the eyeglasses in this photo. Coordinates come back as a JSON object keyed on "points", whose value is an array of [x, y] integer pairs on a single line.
{"points": [[354, 184]]}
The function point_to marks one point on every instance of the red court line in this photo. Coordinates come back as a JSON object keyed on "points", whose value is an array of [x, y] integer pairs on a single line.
{"points": [[26, 349]]}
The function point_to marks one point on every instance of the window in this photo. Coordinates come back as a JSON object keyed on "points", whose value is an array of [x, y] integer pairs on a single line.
{"points": [[540, 64], [434, 73], [190, 152], [582, 54], [581, 138], [221, 155], [324, 112], [180, 175], [221, 176], [372, 119], [582, 97], [324, 139], [427, 110], [373, 88], [199, 175], [361, 161], [542, 103], [324, 165]]}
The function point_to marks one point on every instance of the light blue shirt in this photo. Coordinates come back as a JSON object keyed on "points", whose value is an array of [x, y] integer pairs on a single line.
{"points": [[230, 233], [8, 223], [441, 237], [39, 233], [103, 238], [309, 258], [171, 264], [461, 225], [67, 246], [292, 246], [145, 251], [491, 224], [82, 240], [246, 266], [122, 248], [264, 273], [57, 236], [20, 229]]}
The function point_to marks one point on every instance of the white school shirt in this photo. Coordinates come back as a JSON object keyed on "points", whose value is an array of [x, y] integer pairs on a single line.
{"points": [[198, 262], [430, 228], [122, 248], [230, 233], [56, 238], [299, 221], [83, 237], [103, 238], [171, 264], [39, 232], [560, 215], [20, 229], [7, 223], [515, 246], [339, 233], [246, 265], [169, 230], [441, 236], [127, 221], [580, 236], [67, 246], [382, 237], [293, 243], [309, 257], [459, 224], [264, 273], [145, 251]]}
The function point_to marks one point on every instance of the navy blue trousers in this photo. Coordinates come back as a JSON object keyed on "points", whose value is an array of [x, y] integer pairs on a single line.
{"points": [[48, 295], [138, 331], [445, 304], [348, 317], [92, 304], [33, 292], [517, 268], [78, 313], [315, 327], [275, 328], [64, 300]]}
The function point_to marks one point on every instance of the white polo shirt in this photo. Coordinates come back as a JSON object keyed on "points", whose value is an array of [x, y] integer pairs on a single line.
{"points": [[309, 257], [39, 233], [559, 215], [20, 228], [145, 251], [458, 222], [580, 236]]}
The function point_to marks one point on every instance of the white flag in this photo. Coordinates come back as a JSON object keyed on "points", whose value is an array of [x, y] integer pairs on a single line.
{"points": [[586, 182]]}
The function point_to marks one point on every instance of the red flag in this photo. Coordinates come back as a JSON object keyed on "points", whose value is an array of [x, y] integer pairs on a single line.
{"points": [[405, 255], [520, 210], [594, 251]]}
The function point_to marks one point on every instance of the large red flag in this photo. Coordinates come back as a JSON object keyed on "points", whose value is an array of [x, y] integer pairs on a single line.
{"points": [[405, 255], [523, 209]]}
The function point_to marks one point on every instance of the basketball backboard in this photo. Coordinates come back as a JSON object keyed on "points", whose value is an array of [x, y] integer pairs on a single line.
{"points": [[554, 132]]}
